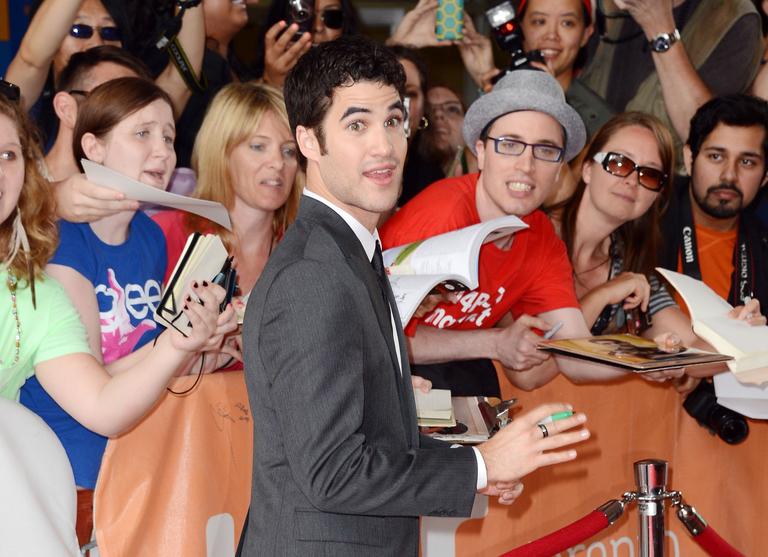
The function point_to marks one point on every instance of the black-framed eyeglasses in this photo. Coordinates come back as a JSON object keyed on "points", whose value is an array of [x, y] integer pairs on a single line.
{"points": [[622, 166], [515, 148], [333, 18], [85, 31], [78, 92], [10, 91]]}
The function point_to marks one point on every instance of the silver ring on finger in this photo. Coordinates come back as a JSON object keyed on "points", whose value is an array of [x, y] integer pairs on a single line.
{"points": [[544, 430]]}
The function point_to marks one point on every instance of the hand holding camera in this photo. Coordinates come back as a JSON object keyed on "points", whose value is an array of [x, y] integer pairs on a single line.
{"points": [[284, 44]]}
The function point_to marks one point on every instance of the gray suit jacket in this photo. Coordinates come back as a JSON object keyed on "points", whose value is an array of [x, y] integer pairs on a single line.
{"points": [[339, 466]]}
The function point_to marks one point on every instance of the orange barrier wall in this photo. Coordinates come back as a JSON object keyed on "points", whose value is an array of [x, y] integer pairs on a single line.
{"points": [[190, 459], [630, 421]]}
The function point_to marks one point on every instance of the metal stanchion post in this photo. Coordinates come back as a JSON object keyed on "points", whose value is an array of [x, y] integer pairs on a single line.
{"points": [[651, 480]]}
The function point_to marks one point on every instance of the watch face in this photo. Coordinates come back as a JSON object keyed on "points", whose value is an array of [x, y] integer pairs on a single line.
{"points": [[661, 44]]}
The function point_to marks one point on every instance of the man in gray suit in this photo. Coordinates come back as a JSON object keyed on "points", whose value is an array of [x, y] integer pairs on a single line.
{"points": [[339, 466]]}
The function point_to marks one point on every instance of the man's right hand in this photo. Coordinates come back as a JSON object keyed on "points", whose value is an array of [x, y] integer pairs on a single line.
{"points": [[79, 200], [516, 344], [520, 448]]}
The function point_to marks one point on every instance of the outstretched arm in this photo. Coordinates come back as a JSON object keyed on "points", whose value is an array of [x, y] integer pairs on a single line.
{"points": [[29, 68], [192, 40], [109, 405]]}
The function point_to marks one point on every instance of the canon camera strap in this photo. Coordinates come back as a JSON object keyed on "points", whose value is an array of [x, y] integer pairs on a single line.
{"points": [[742, 279], [170, 42]]}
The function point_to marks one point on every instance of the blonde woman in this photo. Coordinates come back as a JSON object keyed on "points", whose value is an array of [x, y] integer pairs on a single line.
{"points": [[245, 158]]}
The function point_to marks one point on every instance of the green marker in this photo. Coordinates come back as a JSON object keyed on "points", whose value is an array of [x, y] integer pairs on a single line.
{"points": [[557, 417]]}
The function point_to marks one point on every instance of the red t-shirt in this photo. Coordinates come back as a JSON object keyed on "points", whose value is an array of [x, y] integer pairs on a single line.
{"points": [[532, 277]]}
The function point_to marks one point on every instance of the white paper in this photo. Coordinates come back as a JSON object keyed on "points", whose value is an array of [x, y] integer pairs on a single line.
{"points": [[449, 256], [134, 189], [750, 400]]}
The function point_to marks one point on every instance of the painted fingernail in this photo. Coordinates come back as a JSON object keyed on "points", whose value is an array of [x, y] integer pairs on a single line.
{"points": [[189, 298], [205, 283], [185, 306], [195, 285]]}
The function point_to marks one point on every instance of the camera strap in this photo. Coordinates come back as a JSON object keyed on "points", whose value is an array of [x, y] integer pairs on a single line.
{"points": [[742, 279], [170, 42]]}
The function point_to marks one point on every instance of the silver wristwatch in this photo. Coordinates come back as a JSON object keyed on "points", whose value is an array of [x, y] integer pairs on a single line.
{"points": [[663, 41]]}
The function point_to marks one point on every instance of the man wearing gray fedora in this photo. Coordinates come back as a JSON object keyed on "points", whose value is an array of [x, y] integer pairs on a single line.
{"points": [[523, 133]]}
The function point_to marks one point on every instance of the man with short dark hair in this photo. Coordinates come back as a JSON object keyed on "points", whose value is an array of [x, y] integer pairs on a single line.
{"points": [[711, 231], [339, 466]]}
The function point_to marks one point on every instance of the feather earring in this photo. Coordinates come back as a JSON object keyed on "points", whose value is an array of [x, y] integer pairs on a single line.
{"points": [[20, 241]]}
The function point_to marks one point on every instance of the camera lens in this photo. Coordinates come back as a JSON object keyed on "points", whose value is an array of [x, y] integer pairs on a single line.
{"points": [[730, 426], [702, 405]]}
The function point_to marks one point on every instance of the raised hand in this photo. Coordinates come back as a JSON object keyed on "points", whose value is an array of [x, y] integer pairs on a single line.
{"points": [[477, 54], [79, 200], [417, 28], [522, 447], [281, 52], [653, 16]]}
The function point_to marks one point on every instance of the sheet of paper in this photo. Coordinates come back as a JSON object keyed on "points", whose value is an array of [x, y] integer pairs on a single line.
{"points": [[134, 189], [750, 400]]}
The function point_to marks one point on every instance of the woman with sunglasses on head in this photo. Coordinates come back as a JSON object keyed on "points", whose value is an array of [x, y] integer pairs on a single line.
{"points": [[282, 43], [41, 333]]}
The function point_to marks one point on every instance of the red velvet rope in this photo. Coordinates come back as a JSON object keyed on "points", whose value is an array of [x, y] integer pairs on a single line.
{"points": [[562, 539], [714, 545]]}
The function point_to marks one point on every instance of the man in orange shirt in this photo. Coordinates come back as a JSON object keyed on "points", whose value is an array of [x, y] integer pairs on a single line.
{"points": [[711, 230]]}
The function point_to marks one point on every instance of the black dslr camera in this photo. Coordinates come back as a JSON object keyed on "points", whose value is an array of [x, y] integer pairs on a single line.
{"points": [[301, 12], [509, 37], [702, 405]]}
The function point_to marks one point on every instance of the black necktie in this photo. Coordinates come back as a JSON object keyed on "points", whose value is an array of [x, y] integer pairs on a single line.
{"points": [[378, 265]]}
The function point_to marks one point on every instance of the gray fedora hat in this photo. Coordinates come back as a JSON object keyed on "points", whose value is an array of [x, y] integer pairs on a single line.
{"points": [[526, 90]]}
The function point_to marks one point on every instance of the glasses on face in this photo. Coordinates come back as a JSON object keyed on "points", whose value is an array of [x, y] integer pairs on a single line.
{"points": [[84, 31], [622, 166], [515, 148], [333, 18], [10, 91], [451, 109]]}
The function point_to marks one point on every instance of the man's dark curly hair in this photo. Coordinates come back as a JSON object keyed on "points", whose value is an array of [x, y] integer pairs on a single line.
{"points": [[737, 110], [310, 86]]}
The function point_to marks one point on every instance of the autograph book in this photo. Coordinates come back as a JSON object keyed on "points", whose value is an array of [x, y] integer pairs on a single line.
{"points": [[629, 351], [448, 260], [204, 258], [709, 314]]}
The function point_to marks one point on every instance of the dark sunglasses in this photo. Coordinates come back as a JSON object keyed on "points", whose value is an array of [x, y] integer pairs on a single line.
{"points": [[622, 166], [333, 18], [10, 91], [84, 31]]}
